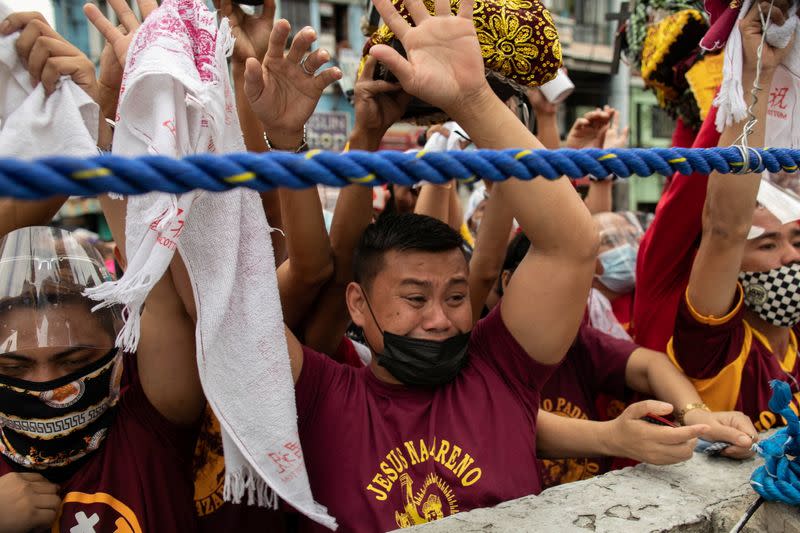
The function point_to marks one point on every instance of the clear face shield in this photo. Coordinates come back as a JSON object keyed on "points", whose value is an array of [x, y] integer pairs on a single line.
{"points": [[43, 274], [617, 229], [620, 233]]}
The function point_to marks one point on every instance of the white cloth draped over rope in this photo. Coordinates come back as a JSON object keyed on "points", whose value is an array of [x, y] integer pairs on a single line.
{"points": [[176, 99]]}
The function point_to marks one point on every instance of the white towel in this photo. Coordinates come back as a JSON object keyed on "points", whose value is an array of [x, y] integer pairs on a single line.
{"points": [[33, 125], [440, 143], [176, 100]]}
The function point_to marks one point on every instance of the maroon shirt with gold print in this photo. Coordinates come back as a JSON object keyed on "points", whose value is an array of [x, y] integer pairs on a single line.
{"points": [[139, 480]]}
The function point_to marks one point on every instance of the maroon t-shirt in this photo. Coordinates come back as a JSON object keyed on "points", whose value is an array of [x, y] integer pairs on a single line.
{"points": [[731, 363], [214, 514], [138, 481], [383, 456], [594, 366]]}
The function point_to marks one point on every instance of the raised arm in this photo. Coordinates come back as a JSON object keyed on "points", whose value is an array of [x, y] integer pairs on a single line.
{"points": [[444, 68], [490, 250], [283, 91], [731, 200], [546, 119], [166, 359], [252, 36], [600, 199], [378, 105]]}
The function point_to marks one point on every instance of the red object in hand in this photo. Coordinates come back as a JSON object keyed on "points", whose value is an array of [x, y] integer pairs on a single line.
{"points": [[660, 420]]}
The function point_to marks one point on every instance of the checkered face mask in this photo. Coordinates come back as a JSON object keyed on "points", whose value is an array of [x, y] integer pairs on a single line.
{"points": [[774, 295]]}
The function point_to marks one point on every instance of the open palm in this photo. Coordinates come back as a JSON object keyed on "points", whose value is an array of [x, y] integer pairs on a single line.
{"points": [[282, 90], [443, 64]]}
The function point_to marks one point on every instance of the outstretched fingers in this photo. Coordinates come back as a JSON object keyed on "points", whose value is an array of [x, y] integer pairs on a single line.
{"points": [[277, 40], [392, 18], [146, 7], [107, 29], [397, 64], [326, 77], [465, 9], [301, 44], [125, 14]]}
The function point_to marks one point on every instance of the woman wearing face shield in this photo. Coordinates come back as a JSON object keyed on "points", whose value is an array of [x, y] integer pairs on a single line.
{"points": [[611, 298], [81, 448]]}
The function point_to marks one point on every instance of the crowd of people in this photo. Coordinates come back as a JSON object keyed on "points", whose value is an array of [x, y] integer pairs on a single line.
{"points": [[445, 356]]}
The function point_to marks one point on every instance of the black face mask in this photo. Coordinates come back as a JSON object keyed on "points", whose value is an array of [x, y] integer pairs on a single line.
{"points": [[53, 424], [420, 362]]}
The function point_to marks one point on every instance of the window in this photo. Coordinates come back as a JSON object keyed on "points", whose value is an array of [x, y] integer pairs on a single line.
{"points": [[296, 12]]}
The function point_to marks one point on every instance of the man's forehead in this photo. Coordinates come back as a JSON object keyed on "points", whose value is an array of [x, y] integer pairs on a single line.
{"points": [[426, 266], [764, 218]]}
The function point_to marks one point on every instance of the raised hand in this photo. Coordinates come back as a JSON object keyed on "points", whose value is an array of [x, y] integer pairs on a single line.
{"points": [[47, 55], [251, 31], [283, 90], [444, 66], [540, 104], [378, 104], [751, 28], [616, 137], [118, 38], [589, 130]]}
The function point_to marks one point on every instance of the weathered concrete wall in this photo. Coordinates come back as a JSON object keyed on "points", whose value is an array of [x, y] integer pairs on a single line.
{"points": [[703, 495]]}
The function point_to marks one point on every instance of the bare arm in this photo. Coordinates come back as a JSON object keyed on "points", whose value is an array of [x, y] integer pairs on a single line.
{"points": [[651, 373], [600, 196], [310, 263], [599, 199], [559, 437], [490, 250], [15, 214], [377, 106], [731, 200], [546, 119], [254, 142], [434, 201]]}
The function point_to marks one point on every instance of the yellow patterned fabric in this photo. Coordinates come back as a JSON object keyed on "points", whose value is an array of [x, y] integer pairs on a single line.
{"points": [[518, 39], [668, 43], [704, 79]]}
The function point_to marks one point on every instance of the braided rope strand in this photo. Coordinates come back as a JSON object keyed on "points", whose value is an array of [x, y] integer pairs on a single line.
{"points": [[109, 173]]}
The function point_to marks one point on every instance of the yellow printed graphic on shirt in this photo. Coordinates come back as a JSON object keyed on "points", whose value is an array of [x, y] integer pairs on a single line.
{"points": [[94, 513], [561, 471], [431, 498], [209, 467]]}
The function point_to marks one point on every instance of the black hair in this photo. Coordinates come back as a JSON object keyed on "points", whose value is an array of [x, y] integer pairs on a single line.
{"points": [[402, 233], [515, 253]]}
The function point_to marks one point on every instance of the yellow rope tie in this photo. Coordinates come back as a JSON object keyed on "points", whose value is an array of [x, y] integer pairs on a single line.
{"points": [[522, 154], [240, 178], [364, 179], [677, 160], [91, 173], [311, 153], [607, 157]]}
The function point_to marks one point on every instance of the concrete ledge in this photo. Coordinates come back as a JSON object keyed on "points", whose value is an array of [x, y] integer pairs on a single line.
{"points": [[702, 495]]}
